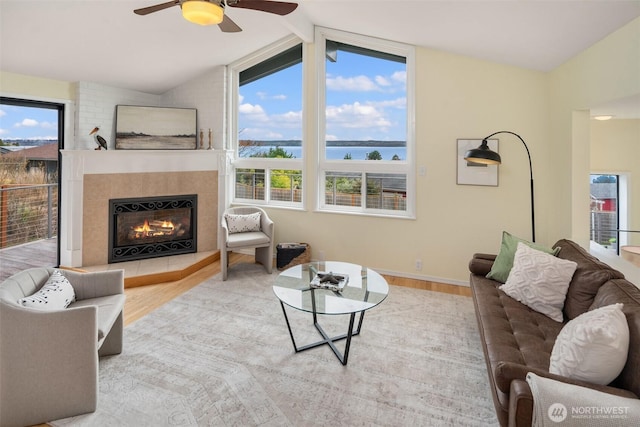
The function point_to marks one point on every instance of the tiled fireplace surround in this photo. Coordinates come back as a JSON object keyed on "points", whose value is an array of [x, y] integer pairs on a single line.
{"points": [[93, 178]]}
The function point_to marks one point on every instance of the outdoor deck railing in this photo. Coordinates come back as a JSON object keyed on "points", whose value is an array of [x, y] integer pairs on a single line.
{"points": [[27, 213]]}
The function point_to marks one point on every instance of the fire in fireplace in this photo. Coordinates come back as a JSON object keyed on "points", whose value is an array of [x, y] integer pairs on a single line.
{"points": [[152, 227]]}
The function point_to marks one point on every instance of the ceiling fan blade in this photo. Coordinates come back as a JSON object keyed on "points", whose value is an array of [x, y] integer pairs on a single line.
{"points": [[228, 26], [277, 7], [156, 8]]}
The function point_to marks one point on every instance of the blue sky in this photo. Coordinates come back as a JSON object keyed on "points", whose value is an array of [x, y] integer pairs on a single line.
{"points": [[365, 101], [28, 123]]}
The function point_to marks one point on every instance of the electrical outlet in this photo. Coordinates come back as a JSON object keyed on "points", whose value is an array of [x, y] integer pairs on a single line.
{"points": [[418, 265]]}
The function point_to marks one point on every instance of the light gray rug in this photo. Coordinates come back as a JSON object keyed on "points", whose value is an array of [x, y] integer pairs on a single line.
{"points": [[220, 355]]}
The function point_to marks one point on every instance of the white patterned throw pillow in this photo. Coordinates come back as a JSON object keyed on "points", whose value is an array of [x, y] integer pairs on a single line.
{"points": [[539, 281], [56, 294], [592, 347], [243, 223]]}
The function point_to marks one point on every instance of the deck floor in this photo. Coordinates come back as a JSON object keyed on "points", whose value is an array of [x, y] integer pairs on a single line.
{"points": [[41, 253]]}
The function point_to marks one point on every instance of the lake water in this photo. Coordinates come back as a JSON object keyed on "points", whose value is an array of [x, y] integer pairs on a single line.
{"points": [[357, 153]]}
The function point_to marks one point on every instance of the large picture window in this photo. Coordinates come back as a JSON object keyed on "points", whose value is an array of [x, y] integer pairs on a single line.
{"points": [[268, 131], [362, 160], [366, 159]]}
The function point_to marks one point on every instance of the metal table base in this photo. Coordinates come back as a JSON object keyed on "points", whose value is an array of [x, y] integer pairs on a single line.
{"points": [[326, 339]]}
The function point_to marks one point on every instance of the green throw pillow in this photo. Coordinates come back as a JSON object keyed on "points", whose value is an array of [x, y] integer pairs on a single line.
{"points": [[504, 261]]}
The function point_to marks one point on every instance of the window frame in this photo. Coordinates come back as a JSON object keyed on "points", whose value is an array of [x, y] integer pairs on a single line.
{"points": [[267, 164], [364, 167]]}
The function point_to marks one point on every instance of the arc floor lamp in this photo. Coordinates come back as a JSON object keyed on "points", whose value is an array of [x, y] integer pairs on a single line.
{"points": [[485, 155]]}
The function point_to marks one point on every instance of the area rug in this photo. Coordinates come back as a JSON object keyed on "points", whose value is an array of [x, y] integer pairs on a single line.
{"points": [[221, 355]]}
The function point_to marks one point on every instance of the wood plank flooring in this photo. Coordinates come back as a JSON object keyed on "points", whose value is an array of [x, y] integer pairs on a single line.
{"points": [[41, 253]]}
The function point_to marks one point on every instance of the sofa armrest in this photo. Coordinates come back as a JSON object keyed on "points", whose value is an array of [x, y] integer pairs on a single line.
{"points": [[267, 226], [507, 372], [95, 284], [520, 404], [481, 264]]}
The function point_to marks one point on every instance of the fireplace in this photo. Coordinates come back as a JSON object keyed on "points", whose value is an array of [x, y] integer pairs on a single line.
{"points": [[151, 227]]}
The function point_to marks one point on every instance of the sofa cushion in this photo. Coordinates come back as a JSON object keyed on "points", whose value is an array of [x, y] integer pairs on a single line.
{"points": [[592, 347], [511, 332], [109, 308], [243, 223], [504, 261], [587, 279], [255, 238], [56, 294], [539, 280]]}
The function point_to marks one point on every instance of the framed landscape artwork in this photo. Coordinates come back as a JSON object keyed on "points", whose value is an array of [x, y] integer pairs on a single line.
{"points": [[155, 128], [470, 173]]}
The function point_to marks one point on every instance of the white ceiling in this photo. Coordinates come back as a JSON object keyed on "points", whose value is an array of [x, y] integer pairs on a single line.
{"points": [[105, 42]]}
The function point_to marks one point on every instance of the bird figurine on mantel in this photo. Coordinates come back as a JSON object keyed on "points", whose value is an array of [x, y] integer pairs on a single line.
{"points": [[102, 143]]}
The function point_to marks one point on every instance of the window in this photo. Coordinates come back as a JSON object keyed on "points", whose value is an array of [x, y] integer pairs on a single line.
{"points": [[366, 162], [268, 134], [31, 134], [605, 218]]}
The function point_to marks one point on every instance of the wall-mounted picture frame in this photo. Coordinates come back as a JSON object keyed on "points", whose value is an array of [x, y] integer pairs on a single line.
{"points": [[155, 128], [469, 173]]}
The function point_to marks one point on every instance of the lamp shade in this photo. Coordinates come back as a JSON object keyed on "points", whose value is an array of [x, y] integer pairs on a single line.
{"points": [[483, 155], [202, 12]]}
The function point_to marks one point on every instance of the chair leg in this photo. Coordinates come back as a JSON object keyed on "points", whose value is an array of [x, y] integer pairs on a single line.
{"points": [[224, 263], [264, 256]]}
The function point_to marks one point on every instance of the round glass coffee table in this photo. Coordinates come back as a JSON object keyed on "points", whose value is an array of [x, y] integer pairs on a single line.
{"points": [[364, 289]]}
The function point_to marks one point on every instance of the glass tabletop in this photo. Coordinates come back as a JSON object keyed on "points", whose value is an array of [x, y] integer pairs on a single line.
{"points": [[364, 288]]}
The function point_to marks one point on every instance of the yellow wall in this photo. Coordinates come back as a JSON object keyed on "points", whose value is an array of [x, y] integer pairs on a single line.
{"points": [[607, 71], [615, 148], [29, 87]]}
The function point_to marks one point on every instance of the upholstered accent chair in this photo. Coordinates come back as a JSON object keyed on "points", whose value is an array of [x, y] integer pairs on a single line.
{"points": [[49, 358], [247, 227]]}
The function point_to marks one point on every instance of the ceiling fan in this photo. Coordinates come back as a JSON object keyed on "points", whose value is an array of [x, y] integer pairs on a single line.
{"points": [[209, 12]]}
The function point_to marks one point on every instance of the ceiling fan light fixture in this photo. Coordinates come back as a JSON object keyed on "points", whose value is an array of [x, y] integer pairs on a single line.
{"points": [[202, 12]]}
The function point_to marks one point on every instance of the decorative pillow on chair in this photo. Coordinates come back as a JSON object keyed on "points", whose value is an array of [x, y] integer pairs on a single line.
{"points": [[504, 261], [56, 294], [243, 223], [592, 347], [539, 281]]}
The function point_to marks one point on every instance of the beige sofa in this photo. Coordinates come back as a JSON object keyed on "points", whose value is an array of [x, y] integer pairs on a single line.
{"points": [[49, 359]]}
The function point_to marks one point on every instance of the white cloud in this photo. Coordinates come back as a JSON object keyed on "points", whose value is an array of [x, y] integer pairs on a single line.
{"points": [[27, 123], [356, 115], [253, 113], [48, 125], [400, 77], [353, 84], [398, 103], [3, 113], [3, 131]]}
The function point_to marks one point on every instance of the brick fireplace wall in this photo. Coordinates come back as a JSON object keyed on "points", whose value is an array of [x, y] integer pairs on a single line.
{"points": [[99, 188]]}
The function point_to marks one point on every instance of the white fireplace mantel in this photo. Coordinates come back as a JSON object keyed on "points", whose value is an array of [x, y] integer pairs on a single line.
{"points": [[78, 163]]}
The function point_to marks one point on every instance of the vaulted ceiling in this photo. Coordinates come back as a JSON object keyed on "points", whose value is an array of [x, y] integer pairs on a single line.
{"points": [[103, 41]]}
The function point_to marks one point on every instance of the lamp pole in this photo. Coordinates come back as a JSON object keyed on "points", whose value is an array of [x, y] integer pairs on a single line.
{"points": [[485, 155]]}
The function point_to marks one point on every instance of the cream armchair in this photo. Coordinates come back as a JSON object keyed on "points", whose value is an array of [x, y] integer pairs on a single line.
{"points": [[247, 228], [49, 359]]}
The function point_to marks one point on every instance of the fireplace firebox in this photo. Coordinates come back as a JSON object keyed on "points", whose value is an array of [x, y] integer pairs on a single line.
{"points": [[151, 227]]}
